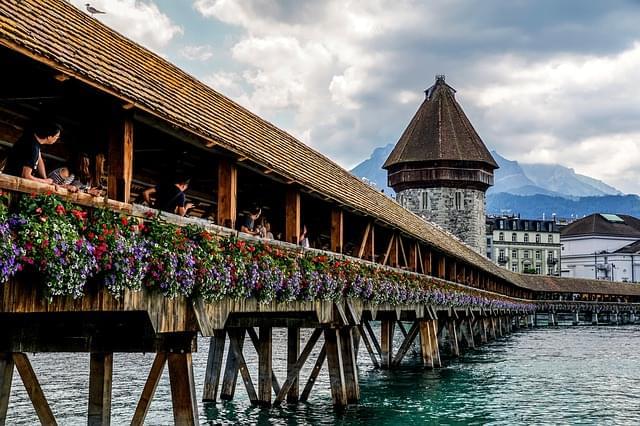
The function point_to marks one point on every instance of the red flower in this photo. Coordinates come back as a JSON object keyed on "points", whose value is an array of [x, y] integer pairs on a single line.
{"points": [[124, 221], [91, 235], [79, 214], [60, 209], [149, 214], [39, 210]]}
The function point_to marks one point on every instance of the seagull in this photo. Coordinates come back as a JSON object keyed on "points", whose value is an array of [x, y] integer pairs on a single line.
{"points": [[92, 10]]}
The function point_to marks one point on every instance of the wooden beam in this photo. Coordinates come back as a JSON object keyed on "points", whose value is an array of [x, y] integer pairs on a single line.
{"points": [[365, 237], [337, 230], [374, 340], [334, 362], [406, 344], [368, 345], [453, 338], [292, 216], [31, 384], [293, 371], [214, 366], [149, 389], [265, 356], [425, 343], [100, 378], [386, 341], [372, 244], [293, 350], [235, 339], [62, 77], [413, 264], [442, 267], [435, 350], [227, 206], [304, 396], [256, 344], [120, 159], [404, 255], [389, 251], [230, 377], [183, 389], [6, 378], [349, 361]]}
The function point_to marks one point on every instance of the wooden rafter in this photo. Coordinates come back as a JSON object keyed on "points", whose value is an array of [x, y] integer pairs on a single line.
{"points": [[363, 243]]}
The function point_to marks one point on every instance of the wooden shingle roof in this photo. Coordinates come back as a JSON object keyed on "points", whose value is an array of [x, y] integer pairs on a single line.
{"points": [[577, 285], [56, 33], [597, 224], [440, 131]]}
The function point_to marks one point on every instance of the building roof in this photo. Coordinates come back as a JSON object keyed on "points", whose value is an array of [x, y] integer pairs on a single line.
{"points": [[59, 35], [632, 248], [606, 225], [440, 131]]}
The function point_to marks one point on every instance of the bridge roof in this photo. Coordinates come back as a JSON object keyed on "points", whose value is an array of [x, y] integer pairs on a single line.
{"points": [[576, 285], [56, 33]]}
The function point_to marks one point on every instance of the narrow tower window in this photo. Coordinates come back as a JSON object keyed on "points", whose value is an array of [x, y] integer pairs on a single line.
{"points": [[425, 201], [458, 200]]}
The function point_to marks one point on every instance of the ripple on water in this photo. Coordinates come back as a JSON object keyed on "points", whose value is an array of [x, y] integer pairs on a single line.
{"points": [[581, 375]]}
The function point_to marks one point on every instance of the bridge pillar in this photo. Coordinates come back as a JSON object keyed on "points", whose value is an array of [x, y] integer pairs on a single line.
{"points": [[483, 330], [594, 318], [552, 319], [214, 366], [531, 320], [100, 379], [453, 338], [576, 318], [387, 329], [615, 318]]}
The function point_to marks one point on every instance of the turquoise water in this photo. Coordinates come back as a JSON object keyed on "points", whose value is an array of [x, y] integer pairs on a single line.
{"points": [[572, 375]]}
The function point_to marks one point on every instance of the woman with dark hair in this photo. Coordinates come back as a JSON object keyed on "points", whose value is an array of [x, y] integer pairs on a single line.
{"points": [[78, 178], [25, 159]]}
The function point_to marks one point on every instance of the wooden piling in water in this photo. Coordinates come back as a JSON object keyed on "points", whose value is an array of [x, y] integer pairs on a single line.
{"points": [[214, 366], [100, 380], [387, 330]]}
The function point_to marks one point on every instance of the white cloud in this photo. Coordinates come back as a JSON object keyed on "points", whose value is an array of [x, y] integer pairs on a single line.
{"points": [[140, 20], [197, 53]]}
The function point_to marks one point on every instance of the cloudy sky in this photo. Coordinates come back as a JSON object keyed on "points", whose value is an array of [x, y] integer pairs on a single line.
{"points": [[542, 81]]}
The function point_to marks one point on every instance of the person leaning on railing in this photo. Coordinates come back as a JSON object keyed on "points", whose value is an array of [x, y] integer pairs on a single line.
{"points": [[25, 159], [170, 197]]}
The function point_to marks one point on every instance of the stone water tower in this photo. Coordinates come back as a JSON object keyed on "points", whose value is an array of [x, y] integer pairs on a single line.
{"points": [[441, 169]]}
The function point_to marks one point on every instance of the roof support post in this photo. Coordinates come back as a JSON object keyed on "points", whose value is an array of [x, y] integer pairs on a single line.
{"points": [[442, 267], [337, 230], [413, 256], [120, 155], [292, 216], [227, 193]]}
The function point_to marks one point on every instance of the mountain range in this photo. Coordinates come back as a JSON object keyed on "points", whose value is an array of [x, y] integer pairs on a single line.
{"points": [[530, 190]]}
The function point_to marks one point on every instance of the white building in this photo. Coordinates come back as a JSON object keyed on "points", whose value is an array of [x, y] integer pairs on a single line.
{"points": [[524, 245], [602, 246]]}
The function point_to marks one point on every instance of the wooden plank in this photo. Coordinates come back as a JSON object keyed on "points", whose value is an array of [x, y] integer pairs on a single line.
{"points": [[413, 257], [337, 230], [372, 335], [442, 267], [255, 341], [149, 389], [406, 344], [293, 350], [402, 251], [227, 194], [31, 384], [421, 266], [425, 343], [214, 366], [386, 342], [368, 345], [365, 238], [334, 363], [453, 337], [120, 159], [372, 244], [265, 366], [100, 378], [292, 216], [435, 354], [304, 396], [293, 372], [242, 367], [6, 378], [183, 395], [349, 362], [230, 377], [390, 247]]}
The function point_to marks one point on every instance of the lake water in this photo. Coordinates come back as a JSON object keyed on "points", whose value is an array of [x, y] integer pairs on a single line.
{"points": [[567, 375]]}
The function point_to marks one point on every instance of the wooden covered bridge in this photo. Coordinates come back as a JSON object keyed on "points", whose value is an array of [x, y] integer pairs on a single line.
{"points": [[119, 102]]}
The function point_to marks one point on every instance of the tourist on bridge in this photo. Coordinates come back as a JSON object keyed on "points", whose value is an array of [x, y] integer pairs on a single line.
{"points": [[170, 197], [248, 224], [304, 239], [25, 160], [77, 178]]}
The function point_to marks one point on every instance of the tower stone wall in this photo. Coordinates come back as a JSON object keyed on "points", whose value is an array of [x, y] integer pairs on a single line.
{"points": [[459, 211]]}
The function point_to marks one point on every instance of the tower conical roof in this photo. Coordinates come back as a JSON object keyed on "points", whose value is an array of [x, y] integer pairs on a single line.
{"points": [[440, 131]]}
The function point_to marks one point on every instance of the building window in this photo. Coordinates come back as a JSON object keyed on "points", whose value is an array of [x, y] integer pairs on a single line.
{"points": [[538, 255], [538, 240], [501, 254], [514, 237], [458, 200], [526, 238], [514, 267], [501, 236], [538, 269], [514, 254], [425, 201], [550, 238], [526, 254]]}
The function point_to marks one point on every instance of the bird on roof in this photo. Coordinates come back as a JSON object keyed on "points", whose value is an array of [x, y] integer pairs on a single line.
{"points": [[92, 10]]}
